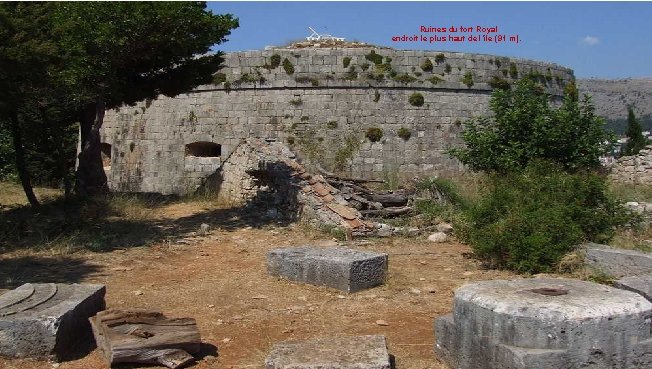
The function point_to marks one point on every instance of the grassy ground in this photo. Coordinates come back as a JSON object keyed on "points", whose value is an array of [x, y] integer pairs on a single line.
{"points": [[100, 224]]}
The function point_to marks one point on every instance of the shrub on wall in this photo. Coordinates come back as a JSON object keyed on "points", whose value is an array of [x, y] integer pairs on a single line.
{"points": [[447, 68], [513, 71], [426, 66], [219, 78], [416, 99], [404, 133], [346, 62], [468, 79], [275, 61], [287, 66], [439, 58], [434, 80], [499, 83], [374, 58], [374, 134]]}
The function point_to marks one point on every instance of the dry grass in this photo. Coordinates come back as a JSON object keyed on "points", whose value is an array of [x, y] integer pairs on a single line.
{"points": [[631, 192], [12, 195]]}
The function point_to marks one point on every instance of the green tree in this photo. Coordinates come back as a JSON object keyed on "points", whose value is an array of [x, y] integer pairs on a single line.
{"points": [[525, 127], [123, 52], [26, 51], [635, 139]]}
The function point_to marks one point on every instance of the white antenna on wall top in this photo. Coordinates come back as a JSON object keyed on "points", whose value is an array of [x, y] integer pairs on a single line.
{"points": [[315, 36]]}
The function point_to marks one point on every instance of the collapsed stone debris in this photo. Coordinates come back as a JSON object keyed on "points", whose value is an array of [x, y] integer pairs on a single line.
{"points": [[267, 175]]}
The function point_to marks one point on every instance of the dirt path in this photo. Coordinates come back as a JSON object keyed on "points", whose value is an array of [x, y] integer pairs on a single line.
{"points": [[221, 281]]}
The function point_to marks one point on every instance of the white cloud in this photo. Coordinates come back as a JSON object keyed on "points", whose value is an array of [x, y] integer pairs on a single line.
{"points": [[590, 40]]}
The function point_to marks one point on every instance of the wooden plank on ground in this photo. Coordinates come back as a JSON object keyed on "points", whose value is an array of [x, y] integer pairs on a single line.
{"points": [[144, 336]]}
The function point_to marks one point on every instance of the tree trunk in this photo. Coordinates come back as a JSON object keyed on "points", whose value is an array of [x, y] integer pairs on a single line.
{"points": [[90, 176], [23, 174]]}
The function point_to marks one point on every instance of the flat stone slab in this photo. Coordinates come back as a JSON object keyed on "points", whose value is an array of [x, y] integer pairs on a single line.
{"points": [[353, 352], [641, 284], [545, 323], [345, 269], [618, 262], [45, 321]]}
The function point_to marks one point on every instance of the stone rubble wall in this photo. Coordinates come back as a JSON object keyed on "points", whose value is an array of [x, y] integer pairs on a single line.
{"points": [[265, 174], [322, 110], [633, 169]]}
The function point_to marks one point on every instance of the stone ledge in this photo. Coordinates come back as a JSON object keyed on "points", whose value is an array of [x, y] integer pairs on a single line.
{"points": [[617, 262]]}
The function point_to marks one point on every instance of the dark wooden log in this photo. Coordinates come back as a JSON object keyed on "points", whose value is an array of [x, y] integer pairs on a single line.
{"points": [[143, 336], [390, 199], [388, 212]]}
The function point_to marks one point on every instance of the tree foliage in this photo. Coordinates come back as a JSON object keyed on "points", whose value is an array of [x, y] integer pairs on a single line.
{"points": [[525, 126], [635, 139]]}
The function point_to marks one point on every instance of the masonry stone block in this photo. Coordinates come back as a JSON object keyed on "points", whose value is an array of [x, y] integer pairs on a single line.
{"points": [[545, 323], [617, 262], [346, 352], [46, 321], [341, 268]]}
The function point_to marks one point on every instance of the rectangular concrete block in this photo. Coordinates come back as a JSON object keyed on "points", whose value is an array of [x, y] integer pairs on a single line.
{"points": [[350, 352], [345, 269], [618, 262], [46, 321]]}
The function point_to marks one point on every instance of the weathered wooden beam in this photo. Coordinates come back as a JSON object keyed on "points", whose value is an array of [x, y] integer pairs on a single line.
{"points": [[388, 211], [143, 336]]}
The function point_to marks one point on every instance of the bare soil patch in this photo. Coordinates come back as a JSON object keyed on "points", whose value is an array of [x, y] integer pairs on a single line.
{"points": [[220, 279]]}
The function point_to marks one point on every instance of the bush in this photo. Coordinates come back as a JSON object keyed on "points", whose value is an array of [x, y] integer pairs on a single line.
{"points": [[513, 71], [468, 79], [404, 78], [219, 78], [416, 99], [439, 58], [434, 80], [528, 221], [524, 127], [499, 83], [287, 66], [404, 133], [447, 68], [635, 139], [275, 61], [374, 134], [374, 58], [364, 66], [427, 66], [346, 61]]}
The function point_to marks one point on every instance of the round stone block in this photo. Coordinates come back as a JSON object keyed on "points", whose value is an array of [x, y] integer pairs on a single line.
{"points": [[545, 323]]}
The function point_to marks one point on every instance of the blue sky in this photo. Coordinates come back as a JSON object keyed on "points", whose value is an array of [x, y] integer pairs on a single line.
{"points": [[596, 39]]}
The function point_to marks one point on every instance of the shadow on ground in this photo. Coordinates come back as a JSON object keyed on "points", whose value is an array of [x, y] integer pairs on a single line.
{"points": [[37, 269], [117, 222]]}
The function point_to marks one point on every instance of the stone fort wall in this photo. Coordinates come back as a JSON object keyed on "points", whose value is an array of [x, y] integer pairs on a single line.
{"points": [[321, 102]]}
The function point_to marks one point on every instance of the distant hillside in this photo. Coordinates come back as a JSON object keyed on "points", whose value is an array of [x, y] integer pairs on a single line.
{"points": [[611, 98]]}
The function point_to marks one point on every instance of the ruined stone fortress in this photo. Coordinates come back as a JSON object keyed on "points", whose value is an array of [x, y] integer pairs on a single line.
{"points": [[367, 112]]}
